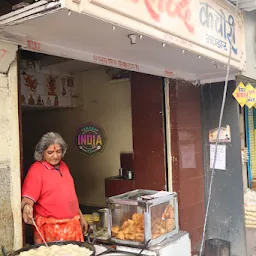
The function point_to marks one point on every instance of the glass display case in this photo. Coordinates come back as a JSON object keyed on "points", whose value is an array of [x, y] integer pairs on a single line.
{"points": [[142, 217]]}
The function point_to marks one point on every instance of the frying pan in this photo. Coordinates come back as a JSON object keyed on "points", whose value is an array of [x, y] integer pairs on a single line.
{"points": [[59, 243]]}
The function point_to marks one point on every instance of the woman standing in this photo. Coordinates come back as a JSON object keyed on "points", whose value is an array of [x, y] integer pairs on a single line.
{"points": [[49, 196]]}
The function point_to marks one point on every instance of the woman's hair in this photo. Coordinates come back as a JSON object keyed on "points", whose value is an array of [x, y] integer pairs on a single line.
{"points": [[47, 140]]}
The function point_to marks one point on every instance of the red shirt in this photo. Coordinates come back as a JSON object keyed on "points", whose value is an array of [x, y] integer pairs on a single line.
{"points": [[52, 190]]}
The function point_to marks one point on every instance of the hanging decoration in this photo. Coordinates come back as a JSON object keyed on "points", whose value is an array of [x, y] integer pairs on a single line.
{"points": [[40, 87]]}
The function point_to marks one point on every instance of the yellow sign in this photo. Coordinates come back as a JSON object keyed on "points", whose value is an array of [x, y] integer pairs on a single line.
{"points": [[240, 94], [251, 96]]}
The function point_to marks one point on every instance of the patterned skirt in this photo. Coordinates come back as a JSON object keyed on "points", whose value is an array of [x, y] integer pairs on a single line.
{"points": [[58, 230]]}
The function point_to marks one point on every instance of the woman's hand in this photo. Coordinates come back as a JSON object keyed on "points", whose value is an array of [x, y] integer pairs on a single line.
{"points": [[84, 225], [28, 214]]}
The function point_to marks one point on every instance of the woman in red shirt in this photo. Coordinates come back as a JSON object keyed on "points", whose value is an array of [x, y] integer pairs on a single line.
{"points": [[49, 196]]}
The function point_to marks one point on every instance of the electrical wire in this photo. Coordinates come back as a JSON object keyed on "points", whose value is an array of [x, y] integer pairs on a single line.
{"points": [[218, 135]]}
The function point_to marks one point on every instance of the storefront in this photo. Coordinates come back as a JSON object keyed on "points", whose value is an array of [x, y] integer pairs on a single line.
{"points": [[134, 36], [248, 114]]}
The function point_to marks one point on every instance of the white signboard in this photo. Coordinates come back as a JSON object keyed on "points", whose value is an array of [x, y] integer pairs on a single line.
{"points": [[220, 163], [206, 23]]}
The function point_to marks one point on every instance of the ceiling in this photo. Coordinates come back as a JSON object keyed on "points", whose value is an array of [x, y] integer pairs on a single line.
{"points": [[81, 33], [245, 5]]}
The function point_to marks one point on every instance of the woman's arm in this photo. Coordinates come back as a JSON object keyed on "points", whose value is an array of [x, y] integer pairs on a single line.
{"points": [[83, 222], [25, 201], [27, 210], [31, 192]]}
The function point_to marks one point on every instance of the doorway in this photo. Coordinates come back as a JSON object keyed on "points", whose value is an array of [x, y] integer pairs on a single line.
{"points": [[128, 106]]}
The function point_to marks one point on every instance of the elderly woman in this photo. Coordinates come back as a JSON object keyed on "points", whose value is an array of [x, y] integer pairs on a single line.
{"points": [[48, 194]]}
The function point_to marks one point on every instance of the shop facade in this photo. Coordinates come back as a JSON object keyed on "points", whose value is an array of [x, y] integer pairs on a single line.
{"points": [[248, 76], [137, 37], [248, 118]]}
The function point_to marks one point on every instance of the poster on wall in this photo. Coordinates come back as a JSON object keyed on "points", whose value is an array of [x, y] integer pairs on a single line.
{"points": [[30, 66], [225, 135], [63, 86], [29, 87], [70, 82], [64, 92], [41, 88], [51, 84], [29, 83], [90, 139]]}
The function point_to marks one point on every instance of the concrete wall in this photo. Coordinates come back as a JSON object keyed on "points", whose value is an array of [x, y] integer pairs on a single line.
{"points": [[226, 213], [250, 39], [10, 234], [106, 104]]}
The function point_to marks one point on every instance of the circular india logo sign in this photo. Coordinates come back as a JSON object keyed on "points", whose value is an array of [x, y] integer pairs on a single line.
{"points": [[90, 139]]}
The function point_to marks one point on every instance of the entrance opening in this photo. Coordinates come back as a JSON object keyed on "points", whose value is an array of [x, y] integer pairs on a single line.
{"points": [[68, 96]]}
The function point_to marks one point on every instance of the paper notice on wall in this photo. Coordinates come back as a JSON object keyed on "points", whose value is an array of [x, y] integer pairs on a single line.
{"points": [[220, 163], [188, 156]]}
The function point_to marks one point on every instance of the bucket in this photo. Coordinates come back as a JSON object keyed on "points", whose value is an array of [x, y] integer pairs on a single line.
{"points": [[217, 247]]}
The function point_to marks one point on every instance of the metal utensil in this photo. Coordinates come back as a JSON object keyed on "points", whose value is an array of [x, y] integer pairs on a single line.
{"points": [[117, 253], [91, 230], [58, 243], [104, 215], [39, 232]]}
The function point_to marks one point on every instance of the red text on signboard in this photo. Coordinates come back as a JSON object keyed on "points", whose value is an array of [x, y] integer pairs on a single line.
{"points": [[32, 45], [173, 8]]}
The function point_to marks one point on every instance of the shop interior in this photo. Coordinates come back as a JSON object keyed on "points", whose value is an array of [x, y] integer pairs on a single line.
{"points": [[60, 95]]}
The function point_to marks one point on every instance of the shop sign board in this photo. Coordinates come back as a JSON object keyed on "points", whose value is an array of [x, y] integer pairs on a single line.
{"points": [[213, 25], [90, 139], [251, 100], [240, 94], [245, 95]]}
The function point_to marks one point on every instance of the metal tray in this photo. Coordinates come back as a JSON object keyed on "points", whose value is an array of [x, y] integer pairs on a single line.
{"points": [[82, 244]]}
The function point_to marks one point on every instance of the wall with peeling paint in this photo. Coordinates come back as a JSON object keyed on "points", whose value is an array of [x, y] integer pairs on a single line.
{"points": [[250, 34], [226, 211], [10, 214]]}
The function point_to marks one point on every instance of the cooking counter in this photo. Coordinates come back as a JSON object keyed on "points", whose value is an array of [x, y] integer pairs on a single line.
{"points": [[178, 244]]}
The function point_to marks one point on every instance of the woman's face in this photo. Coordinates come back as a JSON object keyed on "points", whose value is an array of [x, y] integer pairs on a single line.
{"points": [[53, 154]]}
